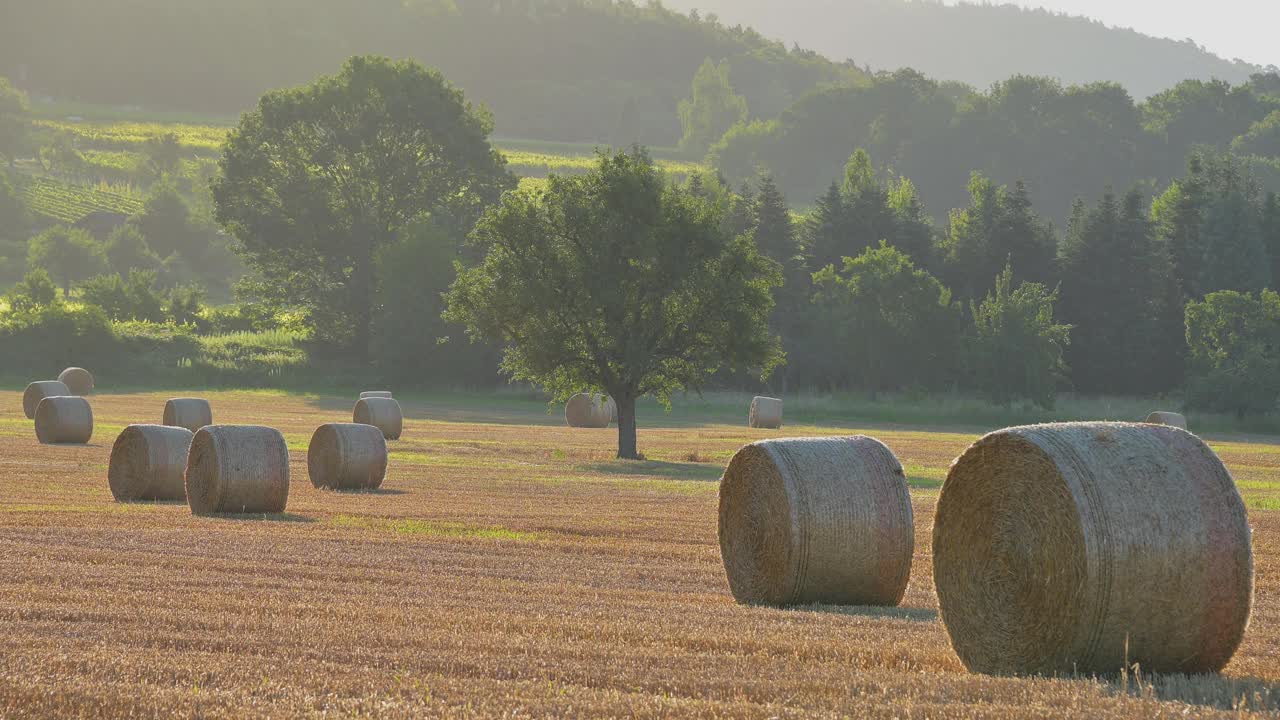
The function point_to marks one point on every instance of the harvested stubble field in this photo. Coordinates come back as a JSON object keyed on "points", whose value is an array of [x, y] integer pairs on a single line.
{"points": [[508, 566]]}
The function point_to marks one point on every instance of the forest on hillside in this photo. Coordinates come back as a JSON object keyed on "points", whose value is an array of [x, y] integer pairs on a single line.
{"points": [[550, 69], [977, 43]]}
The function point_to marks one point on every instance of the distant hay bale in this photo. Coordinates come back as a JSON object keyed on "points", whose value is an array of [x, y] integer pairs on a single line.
{"points": [[346, 456], [1171, 419], [766, 412], [375, 394], [38, 391], [78, 380], [237, 469], [382, 413], [1079, 547], [585, 410], [148, 462], [189, 413], [816, 520], [64, 421]]}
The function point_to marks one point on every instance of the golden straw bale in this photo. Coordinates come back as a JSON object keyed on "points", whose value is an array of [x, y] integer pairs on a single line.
{"points": [[38, 391], [148, 462], [382, 413], [766, 412], [347, 456], [189, 413], [1081, 547], [586, 410], [237, 469], [64, 421], [79, 380], [375, 394], [816, 520]]}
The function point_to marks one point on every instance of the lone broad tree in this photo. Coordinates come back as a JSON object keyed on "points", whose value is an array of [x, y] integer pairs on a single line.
{"points": [[617, 281], [317, 180]]}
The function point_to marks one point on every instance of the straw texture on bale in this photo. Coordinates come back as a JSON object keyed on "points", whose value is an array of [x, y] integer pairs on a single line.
{"points": [[1079, 547], [586, 410], [38, 391], [189, 413], [237, 469], [766, 412], [64, 421], [816, 520], [148, 462], [79, 380], [1171, 419], [382, 413], [347, 457], [375, 394]]}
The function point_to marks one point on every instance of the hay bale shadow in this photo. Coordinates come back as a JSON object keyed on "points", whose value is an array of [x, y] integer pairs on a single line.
{"points": [[261, 517], [1208, 691], [375, 491], [919, 615]]}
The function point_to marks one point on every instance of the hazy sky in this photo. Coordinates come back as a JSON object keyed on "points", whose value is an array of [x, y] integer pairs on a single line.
{"points": [[1244, 29]]}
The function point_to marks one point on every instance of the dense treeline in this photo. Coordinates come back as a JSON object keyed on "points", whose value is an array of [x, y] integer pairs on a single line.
{"points": [[978, 43], [1063, 142], [573, 70]]}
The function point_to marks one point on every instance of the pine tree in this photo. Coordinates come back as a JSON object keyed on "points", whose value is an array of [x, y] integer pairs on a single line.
{"points": [[1023, 238], [913, 232], [825, 230], [1235, 257], [774, 233]]}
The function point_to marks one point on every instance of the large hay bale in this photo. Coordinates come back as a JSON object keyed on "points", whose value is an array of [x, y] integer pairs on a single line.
{"points": [[382, 413], [586, 410], [64, 421], [189, 413], [816, 520], [237, 469], [375, 394], [148, 462], [1082, 547], [1172, 419], [79, 380], [38, 391], [766, 412], [346, 456]]}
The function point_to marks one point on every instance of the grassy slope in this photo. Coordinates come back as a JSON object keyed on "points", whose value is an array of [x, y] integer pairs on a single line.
{"points": [[508, 566]]}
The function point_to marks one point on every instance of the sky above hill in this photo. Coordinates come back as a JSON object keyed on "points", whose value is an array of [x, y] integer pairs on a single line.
{"points": [[1243, 29]]}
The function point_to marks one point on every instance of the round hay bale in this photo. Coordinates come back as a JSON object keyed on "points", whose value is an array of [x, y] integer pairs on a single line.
{"points": [[79, 380], [1171, 419], [189, 413], [816, 520], [346, 456], [64, 421], [382, 413], [38, 391], [766, 412], [375, 394], [1081, 547], [148, 462], [237, 469], [585, 410]]}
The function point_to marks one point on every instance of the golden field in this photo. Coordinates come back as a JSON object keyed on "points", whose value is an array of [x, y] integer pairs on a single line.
{"points": [[507, 567]]}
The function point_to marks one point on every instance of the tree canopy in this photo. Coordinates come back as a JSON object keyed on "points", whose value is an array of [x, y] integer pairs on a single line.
{"points": [[617, 282]]}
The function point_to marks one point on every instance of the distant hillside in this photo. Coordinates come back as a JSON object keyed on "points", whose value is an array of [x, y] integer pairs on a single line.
{"points": [[976, 44], [574, 70]]}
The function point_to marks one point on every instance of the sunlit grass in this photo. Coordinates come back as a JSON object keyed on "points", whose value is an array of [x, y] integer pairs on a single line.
{"points": [[431, 529]]}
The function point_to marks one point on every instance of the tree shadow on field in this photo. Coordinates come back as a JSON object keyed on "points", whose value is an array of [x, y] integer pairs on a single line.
{"points": [[1209, 691], [657, 468], [920, 615]]}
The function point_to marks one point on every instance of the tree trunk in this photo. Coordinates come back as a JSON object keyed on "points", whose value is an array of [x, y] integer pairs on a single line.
{"points": [[627, 426]]}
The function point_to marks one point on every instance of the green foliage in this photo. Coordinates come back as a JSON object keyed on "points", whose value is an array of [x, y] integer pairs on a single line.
{"points": [[1234, 343], [163, 153], [317, 180], [712, 109], [14, 112], [69, 202], [36, 290], [38, 336], [15, 221], [1015, 349], [889, 325], [70, 255], [132, 299], [1119, 293], [999, 227], [616, 281], [127, 249]]}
